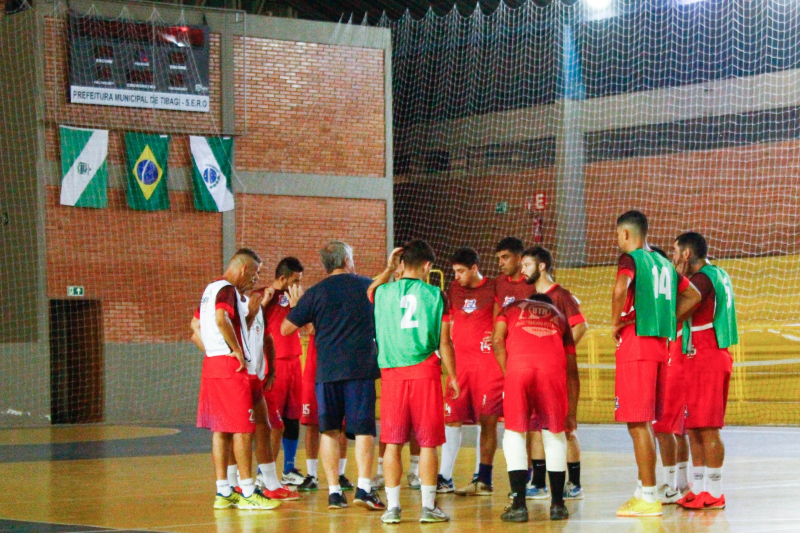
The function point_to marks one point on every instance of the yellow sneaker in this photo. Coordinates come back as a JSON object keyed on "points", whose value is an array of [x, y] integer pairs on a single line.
{"points": [[627, 504], [257, 502], [224, 502], [639, 507]]}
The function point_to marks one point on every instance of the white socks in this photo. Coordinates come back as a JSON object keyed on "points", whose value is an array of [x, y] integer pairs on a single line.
{"points": [[714, 481], [682, 475], [649, 494], [428, 496], [342, 466], [269, 476], [311, 466], [380, 466], [414, 469], [334, 489], [515, 450], [233, 478], [478, 451], [364, 484], [669, 476], [450, 451], [699, 478], [638, 492], [224, 488], [248, 487], [555, 450], [393, 497]]}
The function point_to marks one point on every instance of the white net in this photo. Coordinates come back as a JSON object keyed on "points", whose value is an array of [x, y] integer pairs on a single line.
{"points": [[546, 123]]}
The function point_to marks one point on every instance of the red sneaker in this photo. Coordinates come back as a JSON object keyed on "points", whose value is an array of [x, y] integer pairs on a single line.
{"points": [[691, 501], [711, 503], [281, 494]]}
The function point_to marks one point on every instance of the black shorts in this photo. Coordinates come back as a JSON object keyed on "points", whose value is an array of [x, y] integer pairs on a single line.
{"points": [[353, 400]]}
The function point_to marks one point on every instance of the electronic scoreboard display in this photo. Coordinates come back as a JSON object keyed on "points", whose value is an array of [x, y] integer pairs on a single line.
{"points": [[138, 64]]}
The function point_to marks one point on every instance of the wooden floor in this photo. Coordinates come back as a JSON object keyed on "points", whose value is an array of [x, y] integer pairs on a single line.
{"points": [[173, 491]]}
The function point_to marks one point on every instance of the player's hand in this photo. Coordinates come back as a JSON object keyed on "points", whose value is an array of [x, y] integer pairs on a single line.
{"points": [[269, 292], [295, 292], [394, 259], [616, 329], [453, 384], [239, 357], [269, 381], [570, 423]]}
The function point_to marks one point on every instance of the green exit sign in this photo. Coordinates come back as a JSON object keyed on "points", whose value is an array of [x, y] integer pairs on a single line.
{"points": [[501, 208], [74, 290]]}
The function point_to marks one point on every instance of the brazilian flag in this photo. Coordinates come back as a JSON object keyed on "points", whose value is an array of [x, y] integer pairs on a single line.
{"points": [[147, 171]]}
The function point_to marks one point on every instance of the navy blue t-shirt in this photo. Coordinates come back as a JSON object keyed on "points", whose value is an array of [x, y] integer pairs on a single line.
{"points": [[345, 328]]}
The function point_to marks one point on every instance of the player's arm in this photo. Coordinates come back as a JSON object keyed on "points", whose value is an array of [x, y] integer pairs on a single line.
{"points": [[196, 339], [448, 356], [226, 329], [578, 331], [688, 300], [287, 327], [618, 298], [269, 355], [573, 381], [499, 335], [386, 275]]}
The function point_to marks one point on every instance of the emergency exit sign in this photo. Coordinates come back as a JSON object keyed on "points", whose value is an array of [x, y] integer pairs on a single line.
{"points": [[74, 290]]}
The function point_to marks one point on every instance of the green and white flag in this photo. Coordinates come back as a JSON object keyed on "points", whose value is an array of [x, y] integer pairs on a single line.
{"points": [[84, 170], [211, 173]]}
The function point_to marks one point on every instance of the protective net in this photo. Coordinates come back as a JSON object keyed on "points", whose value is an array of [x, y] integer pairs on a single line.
{"points": [[546, 123]]}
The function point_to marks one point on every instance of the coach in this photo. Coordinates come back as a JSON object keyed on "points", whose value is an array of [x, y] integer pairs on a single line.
{"points": [[347, 366]]}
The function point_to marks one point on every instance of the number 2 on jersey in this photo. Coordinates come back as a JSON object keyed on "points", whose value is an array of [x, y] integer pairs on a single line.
{"points": [[661, 283], [409, 303]]}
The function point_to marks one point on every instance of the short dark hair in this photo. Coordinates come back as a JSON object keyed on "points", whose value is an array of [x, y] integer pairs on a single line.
{"points": [[538, 297], [416, 253], [695, 242], [288, 266], [659, 251], [465, 256], [634, 218], [541, 255], [247, 252], [512, 244]]}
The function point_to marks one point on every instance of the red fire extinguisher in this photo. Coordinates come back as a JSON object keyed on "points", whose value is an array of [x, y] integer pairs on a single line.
{"points": [[537, 228]]}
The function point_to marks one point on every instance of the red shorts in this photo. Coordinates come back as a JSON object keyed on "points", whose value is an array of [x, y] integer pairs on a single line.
{"points": [[310, 414], [706, 394], [412, 404], [481, 395], [673, 415], [640, 387], [225, 404], [285, 392], [535, 390]]}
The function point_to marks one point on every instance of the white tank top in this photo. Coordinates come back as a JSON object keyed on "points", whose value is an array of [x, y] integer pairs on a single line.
{"points": [[256, 365]]}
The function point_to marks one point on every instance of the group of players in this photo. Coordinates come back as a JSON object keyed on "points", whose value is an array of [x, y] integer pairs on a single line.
{"points": [[508, 348]]}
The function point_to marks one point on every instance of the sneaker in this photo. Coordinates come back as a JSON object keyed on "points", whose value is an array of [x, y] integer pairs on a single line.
{"points": [[515, 514], [309, 484], [476, 488], [391, 516], [225, 502], [337, 501], [292, 477], [558, 511], [257, 502], [369, 500], [443, 486], [639, 507], [282, 494], [378, 482], [573, 491], [711, 503], [430, 516], [667, 495], [689, 501], [345, 483], [535, 493], [414, 481]]}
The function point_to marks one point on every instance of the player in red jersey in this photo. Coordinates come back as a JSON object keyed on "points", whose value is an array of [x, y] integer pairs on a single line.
{"points": [[472, 299], [534, 347], [641, 333], [285, 393], [537, 266], [711, 329]]}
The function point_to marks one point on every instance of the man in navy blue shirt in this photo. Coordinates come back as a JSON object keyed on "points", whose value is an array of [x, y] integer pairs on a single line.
{"points": [[347, 366]]}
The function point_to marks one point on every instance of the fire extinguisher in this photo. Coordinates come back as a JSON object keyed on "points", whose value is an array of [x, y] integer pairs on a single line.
{"points": [[537, 228]]}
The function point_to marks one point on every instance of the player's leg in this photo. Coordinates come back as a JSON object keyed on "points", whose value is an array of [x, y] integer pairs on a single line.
{"points": [[330, 403], [714, 451], [537, 488], [291, 421], [413, 468], [573, 490], [667, 447], [311, 483], [379, 482], [243, 450], [392, 473], [221, 450], [395, 431], [267, 473], [427, 423], [517, 412], [360, 401], [549, 400], [488, 406], [457, 411], [488, 446], [682, 454], [344, 443], [555, 445], [232, 470]]}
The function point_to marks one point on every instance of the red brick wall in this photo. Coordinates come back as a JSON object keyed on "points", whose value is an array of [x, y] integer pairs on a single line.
{"points": [[315, 109]]}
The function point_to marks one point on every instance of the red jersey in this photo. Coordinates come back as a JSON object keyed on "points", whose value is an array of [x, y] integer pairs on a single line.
{"points": [[627, 266], [472, 313], [507, 290], [707, 354], [286, 347], [566, 304], [538, 336]]}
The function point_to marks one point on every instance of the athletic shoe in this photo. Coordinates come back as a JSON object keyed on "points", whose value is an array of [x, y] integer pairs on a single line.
{"points": [[378, 482], [392, 516], [711, 503], [292, 477], [369, 500], [225, 502], [309, 484], [414, 481], [443, 486], [257, 502], [515, 514], [639, 507], [689, 500], [476, 488], [345, 483], [558, 511], [430, 516], [337, 501], [282, 494], [535, 493], [667, 495], [573, 491]]}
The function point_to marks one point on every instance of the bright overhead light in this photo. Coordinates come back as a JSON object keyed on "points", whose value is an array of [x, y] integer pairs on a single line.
{"points": [[599, 5]]}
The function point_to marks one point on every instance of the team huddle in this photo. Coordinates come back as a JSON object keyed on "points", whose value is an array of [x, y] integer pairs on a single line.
{"points": [[508, 347]]}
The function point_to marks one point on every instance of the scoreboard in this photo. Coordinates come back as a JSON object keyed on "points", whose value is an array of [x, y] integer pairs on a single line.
{"points": [[138, 64]]}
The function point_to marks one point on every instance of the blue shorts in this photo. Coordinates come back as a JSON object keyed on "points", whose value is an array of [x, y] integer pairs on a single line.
{"points": [[352, 399]]}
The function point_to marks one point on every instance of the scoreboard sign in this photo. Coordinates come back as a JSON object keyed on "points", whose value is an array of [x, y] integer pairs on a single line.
{"points": [[138, 64]]}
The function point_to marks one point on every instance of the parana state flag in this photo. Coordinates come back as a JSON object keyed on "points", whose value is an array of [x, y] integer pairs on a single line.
{"points": [[147, 171], [211, 173], [84, 171]]}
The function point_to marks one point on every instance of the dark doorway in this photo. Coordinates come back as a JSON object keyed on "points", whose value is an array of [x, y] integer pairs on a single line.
{"points": [[76, 361]]}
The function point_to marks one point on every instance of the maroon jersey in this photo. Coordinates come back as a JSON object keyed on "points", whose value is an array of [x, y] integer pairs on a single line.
{"points": [[538, 336], [507, 290], [704, 314], [627, 266], [472, 313], [286, 347], [566, 304]]}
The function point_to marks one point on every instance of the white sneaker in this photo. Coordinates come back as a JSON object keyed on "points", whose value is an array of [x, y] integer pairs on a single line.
{"points": [[378, 483], [668, 495], [414, 481], [292, 477]]}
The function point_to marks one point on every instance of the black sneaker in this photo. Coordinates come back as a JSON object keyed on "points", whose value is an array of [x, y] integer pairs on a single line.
{"points": [[336, 501], [345, 483], [369, 500], [558, 511], [515, 514], [309, 484]]}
